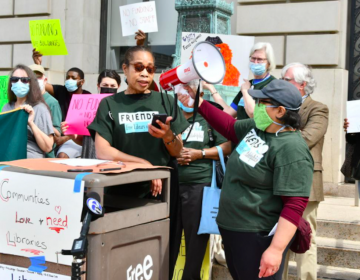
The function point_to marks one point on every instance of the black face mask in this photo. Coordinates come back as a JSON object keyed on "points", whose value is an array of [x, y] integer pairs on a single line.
{"points": [[108, 90]]}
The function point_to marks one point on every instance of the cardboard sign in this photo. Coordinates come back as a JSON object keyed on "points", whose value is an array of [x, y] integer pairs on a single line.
{"points": [[234, 49], [138, 16], [4, 80], [46, 37], [82, 111], [353, 116], [9, 272], [40, 215]]}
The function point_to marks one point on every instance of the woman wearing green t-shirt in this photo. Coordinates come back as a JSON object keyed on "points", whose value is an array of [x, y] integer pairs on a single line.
{"points": [[267, 181], [122, 126], [123, 131], [195, 173]]}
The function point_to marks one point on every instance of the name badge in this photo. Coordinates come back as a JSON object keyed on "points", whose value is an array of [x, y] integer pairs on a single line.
{"points": [[252, 149]]}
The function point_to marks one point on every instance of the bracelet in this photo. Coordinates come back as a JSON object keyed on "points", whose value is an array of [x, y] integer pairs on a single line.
{"points": [[172, 141], [212, 93]]}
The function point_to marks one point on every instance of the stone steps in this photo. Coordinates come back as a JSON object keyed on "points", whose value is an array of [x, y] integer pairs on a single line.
{"points": [[328, 272], [339, 190], [338, 252]]}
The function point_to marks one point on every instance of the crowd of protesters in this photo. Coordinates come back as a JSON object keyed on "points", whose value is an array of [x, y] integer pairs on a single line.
{"points": [[272, 132]]}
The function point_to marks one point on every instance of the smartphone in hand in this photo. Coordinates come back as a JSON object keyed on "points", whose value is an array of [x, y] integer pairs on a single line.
{"points": [[160, 117]]}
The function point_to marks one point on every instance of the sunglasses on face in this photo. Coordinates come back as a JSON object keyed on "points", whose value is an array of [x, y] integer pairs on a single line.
{"points": [[139, 67], [24, 80]]}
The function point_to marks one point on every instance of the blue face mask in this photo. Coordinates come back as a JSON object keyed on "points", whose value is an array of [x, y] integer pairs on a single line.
{"points": [[20, 89], [258, 69], [184, 108], [71, 85]]}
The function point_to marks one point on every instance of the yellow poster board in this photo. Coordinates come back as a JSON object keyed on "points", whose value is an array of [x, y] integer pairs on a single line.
{"points": [[180, 263], [46, 37]]}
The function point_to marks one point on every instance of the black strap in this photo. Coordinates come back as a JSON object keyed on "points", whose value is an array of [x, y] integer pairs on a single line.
{"points": [[196, 106]]}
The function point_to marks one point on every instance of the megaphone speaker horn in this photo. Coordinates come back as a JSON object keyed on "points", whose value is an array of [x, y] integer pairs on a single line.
{"points": [[207, 63]]}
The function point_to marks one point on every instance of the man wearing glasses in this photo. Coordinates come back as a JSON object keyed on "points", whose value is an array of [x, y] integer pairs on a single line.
{"points": [[314, 123]]}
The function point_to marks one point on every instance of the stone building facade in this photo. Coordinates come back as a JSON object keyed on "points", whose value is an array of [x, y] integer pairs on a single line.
{"points": [[311, 32]]}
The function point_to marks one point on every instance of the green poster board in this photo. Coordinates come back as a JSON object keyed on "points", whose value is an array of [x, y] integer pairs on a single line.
{"points": [[46, 37], [3, 91]]}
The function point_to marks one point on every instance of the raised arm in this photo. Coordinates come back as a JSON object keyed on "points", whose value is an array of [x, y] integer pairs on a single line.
{"points": [[218, 99], [37, 58]]}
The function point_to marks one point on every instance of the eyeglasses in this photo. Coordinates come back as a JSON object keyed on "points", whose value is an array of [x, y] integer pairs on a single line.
{"points": [[139, 67], [255, 59], [24, 80]]}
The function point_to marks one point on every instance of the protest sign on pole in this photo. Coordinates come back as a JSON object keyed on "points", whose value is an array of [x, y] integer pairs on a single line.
{"points": [[353, 116], [82, 111], [3, 91], [40, 215], [138, 16], [46, 37], [234, 49]]}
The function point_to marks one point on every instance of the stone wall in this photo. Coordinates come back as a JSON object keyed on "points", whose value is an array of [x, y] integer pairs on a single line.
{"points": [[80, 24]]}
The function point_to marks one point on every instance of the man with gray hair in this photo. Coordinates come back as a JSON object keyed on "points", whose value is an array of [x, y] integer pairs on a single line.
{"points": [[314, 123]]}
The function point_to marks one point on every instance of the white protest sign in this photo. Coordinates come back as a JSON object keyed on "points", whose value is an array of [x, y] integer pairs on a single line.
{"points": [[9, 272], [138, 16], [40, 215], [353, 116], [234, 49]]}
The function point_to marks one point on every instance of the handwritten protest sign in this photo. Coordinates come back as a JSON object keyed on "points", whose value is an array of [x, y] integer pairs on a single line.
{"points": [[3, 90], [40, 215], [234, 49], [82, 111], [138, 16], [46, 37], [353, 116], [9, 272]]}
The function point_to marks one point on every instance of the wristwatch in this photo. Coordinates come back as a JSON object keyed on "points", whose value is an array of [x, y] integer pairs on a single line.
{"points": [[203, 153]]}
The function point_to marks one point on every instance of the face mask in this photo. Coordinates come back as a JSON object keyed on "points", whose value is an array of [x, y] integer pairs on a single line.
{"points": [[184, 108], [263, 120], [261, 117], [108, 90], [258, 69], [41, 84], [20, 89], [71, 85]]}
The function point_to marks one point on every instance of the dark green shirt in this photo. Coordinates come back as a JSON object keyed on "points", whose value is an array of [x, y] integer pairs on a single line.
{"points": [[260, 170], [123, 120], [238, 102], [56, 116], [199, 171]]}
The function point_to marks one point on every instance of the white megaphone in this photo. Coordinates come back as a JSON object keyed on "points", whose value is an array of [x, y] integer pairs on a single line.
{"points": [[207, 63]]}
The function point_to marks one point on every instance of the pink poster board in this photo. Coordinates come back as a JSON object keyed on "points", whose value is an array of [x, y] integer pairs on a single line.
{"points": [[82, 111]]}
